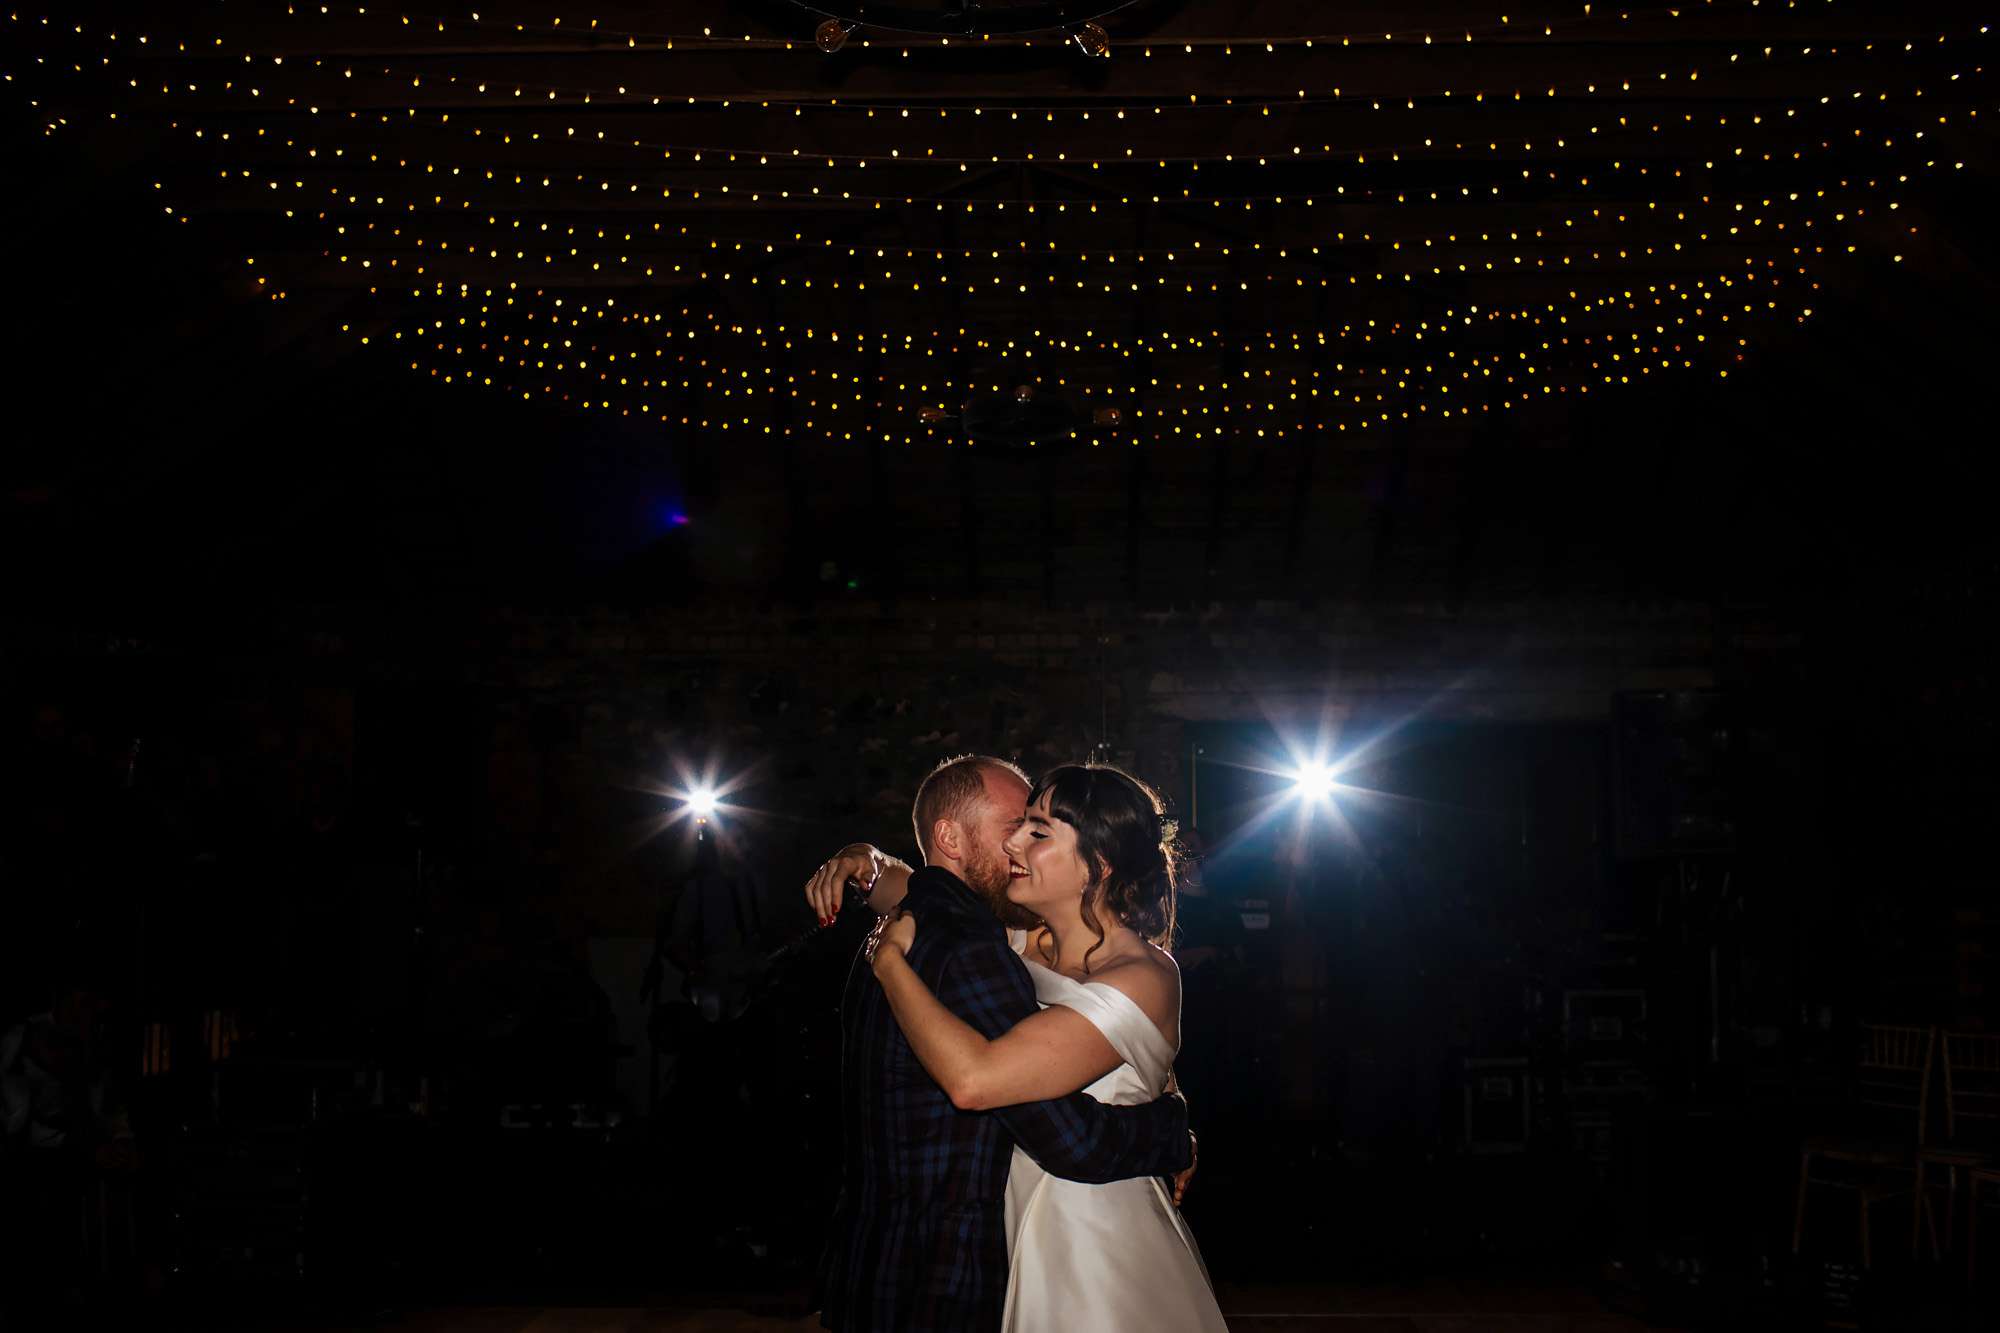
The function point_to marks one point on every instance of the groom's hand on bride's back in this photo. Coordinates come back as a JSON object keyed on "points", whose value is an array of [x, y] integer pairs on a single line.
{"points": [[1181, 1178]]}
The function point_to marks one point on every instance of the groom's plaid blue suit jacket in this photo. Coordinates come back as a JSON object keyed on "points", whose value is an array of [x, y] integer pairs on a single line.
{"points": [[919, 1235]]}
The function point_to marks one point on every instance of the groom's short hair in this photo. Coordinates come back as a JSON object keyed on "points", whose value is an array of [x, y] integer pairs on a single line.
{"points": [[952, 790]]}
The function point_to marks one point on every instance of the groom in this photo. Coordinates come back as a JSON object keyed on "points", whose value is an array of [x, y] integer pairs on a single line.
{"points": [[919, 1238]]}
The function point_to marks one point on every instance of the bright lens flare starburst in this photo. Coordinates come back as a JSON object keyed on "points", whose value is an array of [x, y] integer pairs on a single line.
{"points": [[1314, 782], [705, 800]]}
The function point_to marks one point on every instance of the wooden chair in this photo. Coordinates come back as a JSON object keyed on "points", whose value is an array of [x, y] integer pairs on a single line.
{"points": [[1972, 1122], [1892, 1084]]}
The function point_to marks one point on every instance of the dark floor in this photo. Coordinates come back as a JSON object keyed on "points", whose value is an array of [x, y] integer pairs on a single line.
{"points": [[1923, 1299], [1432, 1307]]}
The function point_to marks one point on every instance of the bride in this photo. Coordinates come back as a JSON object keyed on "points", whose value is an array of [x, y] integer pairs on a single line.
{"points": [[1093, 859]]}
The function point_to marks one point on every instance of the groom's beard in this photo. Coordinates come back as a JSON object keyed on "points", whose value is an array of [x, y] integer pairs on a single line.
{"points": [[988, 877]]}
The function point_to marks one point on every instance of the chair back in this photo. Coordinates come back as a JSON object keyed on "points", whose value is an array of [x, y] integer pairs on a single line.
{"points": [[1892, 1077], [1972, 1089]]}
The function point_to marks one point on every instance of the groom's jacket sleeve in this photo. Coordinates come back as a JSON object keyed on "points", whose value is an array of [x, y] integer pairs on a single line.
{"points": [[1077, 1137]]}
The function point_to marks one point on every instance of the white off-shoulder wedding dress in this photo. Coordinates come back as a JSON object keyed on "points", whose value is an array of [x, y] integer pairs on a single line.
{"points": [[1106, 1258]]}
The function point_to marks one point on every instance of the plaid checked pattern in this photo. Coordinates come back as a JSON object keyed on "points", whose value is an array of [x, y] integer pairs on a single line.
{"points": [[919, 1238]]}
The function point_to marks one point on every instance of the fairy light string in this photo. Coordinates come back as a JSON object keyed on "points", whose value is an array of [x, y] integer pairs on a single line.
{"points": [[1730, 212], [1393, 395], [1700, 289], [515, 95]]}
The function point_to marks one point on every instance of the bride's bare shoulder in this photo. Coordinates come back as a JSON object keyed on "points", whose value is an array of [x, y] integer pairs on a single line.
{"points": [[1149, 976], [1161, 962]]}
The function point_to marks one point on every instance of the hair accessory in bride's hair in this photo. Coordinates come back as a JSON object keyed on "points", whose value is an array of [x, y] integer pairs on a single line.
{"points": [[1169, 829]]}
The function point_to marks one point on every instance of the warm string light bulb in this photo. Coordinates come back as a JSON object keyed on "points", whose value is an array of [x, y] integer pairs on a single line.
{"points": [[1092, 40]]}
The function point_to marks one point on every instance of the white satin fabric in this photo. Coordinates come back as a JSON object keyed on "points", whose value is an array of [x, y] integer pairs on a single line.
{"points": [[1103, 1257]]}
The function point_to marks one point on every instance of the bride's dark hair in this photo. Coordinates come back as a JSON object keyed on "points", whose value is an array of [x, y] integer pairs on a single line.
{"points": [[1127, 845]]}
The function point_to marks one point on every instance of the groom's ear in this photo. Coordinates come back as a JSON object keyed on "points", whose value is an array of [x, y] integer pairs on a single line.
{"points": [[948, 839]]}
